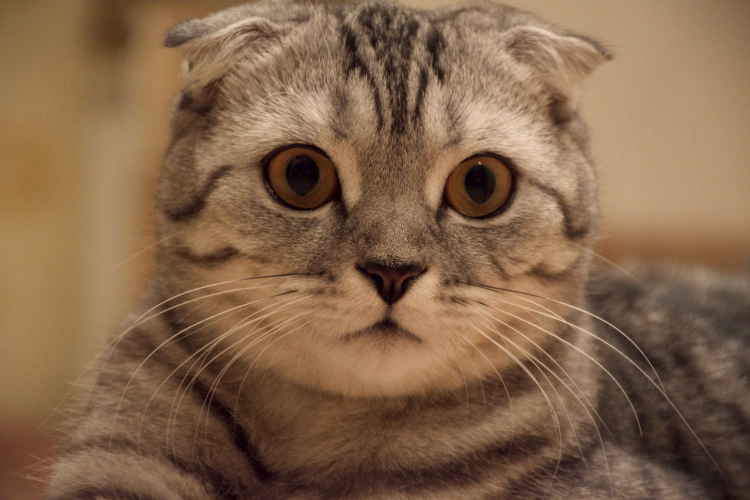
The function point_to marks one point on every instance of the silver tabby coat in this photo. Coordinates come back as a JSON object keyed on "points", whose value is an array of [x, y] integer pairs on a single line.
{"points": [[374, 283]]}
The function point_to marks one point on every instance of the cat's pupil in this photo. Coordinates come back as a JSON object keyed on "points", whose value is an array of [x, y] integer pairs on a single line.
{"points": [[479, 183], [302, 174]]}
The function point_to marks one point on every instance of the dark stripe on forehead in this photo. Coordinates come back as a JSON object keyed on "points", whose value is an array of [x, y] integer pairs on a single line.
{"points": [[435, 46], [390, 34], [354, 65]]}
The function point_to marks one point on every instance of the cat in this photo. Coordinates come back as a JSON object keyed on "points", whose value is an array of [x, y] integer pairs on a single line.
{"points": [[374, 281]]}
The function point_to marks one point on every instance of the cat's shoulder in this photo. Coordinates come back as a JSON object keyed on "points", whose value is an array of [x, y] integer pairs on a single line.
{"points": [[690, 323], [692, 328], [686, 300]]}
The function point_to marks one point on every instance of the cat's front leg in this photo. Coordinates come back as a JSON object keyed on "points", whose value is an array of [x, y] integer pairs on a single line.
{"points": [[613, 473], [96, 473]]}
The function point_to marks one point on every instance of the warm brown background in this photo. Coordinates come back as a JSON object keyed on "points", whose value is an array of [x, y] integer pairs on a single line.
{"points": [[85, 91]]}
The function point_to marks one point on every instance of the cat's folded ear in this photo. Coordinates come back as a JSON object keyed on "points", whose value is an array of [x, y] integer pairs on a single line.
{"points": [[212, 45], [560, 61]]}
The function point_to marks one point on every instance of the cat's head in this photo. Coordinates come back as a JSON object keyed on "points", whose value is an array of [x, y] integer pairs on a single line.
{"points": [[349, 186]]}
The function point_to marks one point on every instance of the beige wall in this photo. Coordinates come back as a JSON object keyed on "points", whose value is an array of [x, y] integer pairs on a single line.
{"points": [[42, 87], [84, 94]]}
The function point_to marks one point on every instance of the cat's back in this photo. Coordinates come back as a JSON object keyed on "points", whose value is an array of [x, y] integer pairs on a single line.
{"points": [[692, 328]]}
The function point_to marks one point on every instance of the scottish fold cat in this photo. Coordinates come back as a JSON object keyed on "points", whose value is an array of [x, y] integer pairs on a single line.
{"points": [[373, 283]]}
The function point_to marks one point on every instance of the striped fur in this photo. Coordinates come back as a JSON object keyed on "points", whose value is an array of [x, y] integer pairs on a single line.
{"points": [[252, 370]]}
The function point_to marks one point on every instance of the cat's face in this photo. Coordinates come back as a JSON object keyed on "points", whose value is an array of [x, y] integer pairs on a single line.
{"points": [[358, 177]]}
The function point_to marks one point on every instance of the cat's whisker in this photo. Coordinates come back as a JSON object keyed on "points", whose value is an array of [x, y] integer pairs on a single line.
{"points": [[539, 364], [659, 387], [110, 347], [580, 392], [479, 377], [507, 393], [441, 358], [521, 294], [531, 375], [207, 322], [609, 374], [271, 330], [239, 389], [142, 318], [312, 354], [180, 393], [570, 378], [201, 352], [215, 318], [247, 321], [270, 363], [174, 337], [197, 299], [463, 375], [286, 335], [587, 406], [228, 365], [238, 326], [175, 370], [142, 250], [613, 264], [208, 348], [548, 355], [225, 368]]}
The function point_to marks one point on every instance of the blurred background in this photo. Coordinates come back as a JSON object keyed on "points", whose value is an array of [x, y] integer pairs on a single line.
{"points": [[85, 91]]}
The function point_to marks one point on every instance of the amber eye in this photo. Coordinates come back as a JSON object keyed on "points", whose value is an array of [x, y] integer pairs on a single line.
{"points": [[479, 186], [302, 177]]}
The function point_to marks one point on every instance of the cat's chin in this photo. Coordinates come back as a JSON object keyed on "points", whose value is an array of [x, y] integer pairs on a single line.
{"points": [[383, 334], [382, 360]]}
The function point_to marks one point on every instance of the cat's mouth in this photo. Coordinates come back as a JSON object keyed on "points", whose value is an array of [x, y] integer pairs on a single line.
{"points": [[385, 329]]}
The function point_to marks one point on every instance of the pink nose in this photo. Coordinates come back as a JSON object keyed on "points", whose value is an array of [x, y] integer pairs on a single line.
{"points": [[391, 282]]}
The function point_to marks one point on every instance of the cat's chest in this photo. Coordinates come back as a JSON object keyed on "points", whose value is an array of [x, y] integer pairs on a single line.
{"points": [[341, 443]]}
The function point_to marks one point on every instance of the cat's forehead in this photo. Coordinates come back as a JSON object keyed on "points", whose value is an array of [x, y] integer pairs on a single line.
{"points": [[387, 79], [398, 53]]}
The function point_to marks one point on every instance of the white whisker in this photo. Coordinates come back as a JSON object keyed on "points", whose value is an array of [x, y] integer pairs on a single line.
{"points": [[659, 387], [588, 407], [463, 375], [531, 375], [520, 294], [539, 364], [208, 348]]}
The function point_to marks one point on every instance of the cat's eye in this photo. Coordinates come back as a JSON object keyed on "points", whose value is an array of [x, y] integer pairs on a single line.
{"points": [[479, 186], [302, 177]]}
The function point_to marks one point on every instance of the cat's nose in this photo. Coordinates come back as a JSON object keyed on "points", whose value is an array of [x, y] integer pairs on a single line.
{"points": [[391, 282]]}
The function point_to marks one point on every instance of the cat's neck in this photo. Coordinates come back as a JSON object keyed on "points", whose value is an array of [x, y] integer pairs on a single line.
{"points": [[526, 405]]}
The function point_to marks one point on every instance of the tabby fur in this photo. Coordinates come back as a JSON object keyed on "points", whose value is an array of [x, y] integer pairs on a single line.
{"points": [[513, 371]]}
